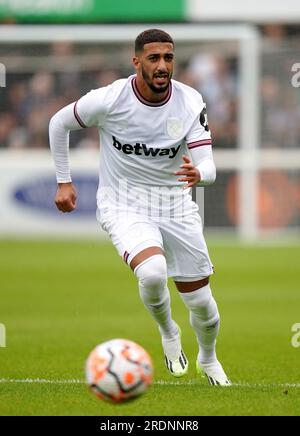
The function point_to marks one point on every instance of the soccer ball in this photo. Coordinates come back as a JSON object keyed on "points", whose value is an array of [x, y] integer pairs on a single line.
{"points": [[118, 370]]}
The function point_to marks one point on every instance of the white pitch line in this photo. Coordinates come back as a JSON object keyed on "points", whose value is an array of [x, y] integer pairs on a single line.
{"points": [[239, 385], [266, 385], [156, 382], [42, 381]]}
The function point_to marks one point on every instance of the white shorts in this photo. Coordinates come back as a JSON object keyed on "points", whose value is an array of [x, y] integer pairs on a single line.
{"points": [[182, 241]]}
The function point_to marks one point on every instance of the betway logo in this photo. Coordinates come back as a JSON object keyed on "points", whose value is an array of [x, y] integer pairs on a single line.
{"points": [[141, 149]]}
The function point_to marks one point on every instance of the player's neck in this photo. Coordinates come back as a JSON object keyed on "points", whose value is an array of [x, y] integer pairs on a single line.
{"points": [[147, 93]]}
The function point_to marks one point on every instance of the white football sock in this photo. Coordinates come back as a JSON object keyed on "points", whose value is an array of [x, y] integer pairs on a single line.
{"points": [[152, 275], [205, 320]]}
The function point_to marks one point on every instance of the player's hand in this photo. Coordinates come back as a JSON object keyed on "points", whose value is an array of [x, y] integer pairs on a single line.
{"points": [[190, 172], [65, 198]]}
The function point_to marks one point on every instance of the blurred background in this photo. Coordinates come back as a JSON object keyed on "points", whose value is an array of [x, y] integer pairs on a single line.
{"points": [[58, 297], [244, 60]]}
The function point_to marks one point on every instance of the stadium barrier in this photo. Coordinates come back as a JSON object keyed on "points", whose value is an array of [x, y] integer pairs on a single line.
{"points": [[28, 187]]}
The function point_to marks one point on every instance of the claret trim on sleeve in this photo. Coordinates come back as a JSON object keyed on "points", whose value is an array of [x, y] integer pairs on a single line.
{"points": [[76, 115], [195, 144]]}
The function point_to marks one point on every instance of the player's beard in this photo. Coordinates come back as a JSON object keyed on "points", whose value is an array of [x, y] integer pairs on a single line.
{"points": [[153, 88]]}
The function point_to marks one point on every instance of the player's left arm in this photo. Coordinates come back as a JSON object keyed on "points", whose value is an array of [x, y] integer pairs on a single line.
{"points": [[199, 169]]}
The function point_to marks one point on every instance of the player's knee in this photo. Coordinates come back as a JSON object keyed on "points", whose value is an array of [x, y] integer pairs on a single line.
{"points": [[201, 298], [152, 273], [204, 305]]}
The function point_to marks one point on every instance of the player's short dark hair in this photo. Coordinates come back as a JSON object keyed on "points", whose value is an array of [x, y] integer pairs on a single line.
{"points": [[151, 35]]}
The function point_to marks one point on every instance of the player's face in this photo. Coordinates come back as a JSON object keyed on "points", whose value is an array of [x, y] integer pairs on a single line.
{"points": [[155, 64]]}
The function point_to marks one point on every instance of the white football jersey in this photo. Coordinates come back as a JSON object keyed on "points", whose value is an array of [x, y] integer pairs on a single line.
{"points": [[142, 143]]}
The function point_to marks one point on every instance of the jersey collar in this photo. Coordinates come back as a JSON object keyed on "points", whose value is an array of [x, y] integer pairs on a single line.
{"points": [[150, 103]]}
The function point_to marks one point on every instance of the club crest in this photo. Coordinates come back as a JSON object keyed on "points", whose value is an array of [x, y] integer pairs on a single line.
{"points": [[174, 128]]}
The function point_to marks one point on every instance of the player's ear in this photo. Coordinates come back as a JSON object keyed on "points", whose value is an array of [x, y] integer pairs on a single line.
{"points": [[136, 62]]}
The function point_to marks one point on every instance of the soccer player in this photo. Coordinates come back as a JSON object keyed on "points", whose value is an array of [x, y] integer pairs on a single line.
{"points": [[155, 146]]}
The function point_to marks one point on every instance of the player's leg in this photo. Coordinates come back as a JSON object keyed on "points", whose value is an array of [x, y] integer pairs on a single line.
{"points": [[139, 242], [190, 266], [144, 255], [205, 320], [204, 315], [150, 268]]}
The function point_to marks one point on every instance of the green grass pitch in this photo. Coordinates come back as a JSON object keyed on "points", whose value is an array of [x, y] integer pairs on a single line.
{"points": [[59, 299]]}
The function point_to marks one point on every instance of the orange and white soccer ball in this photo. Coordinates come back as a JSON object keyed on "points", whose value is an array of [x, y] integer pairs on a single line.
{"points": [[119, 370]]}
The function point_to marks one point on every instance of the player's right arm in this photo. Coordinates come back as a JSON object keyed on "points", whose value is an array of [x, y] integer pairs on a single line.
{"points": [[59, 129], [89, 111]]}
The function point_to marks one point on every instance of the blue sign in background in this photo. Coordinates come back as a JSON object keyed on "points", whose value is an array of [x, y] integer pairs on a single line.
{"points": [[38, 195]]}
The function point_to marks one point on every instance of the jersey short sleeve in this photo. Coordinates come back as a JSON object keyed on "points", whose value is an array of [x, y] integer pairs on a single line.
{"points": [[91, 109]]}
